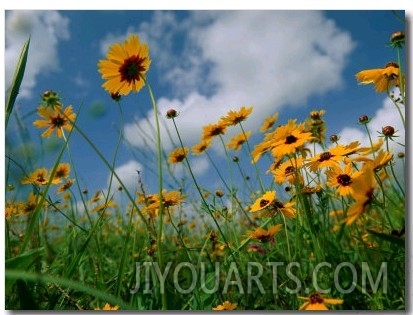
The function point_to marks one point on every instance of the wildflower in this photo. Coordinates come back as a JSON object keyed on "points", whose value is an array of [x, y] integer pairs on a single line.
{"points": [[212, 130], [178, 155], [31, 204], [343, 180], [256, 248], [287, 138], [201, 147], [332, 157], [219, 193], [264, 236], [226, 306], [397, 39], [236, 142], [171, 113], [103, 206], [170, 199], [364, 119], [233, 117], [268, 123], [316, 302], [38, 177], [108, 307], [51, 99], [364, 189], [382, 78], [62, 171], [272, 206], [316, 125], [382, 159], [260, 149], [65, 186], [264, 201], [55, 120], [334, 138], [125, 67], [388, 132], [288, 171]]}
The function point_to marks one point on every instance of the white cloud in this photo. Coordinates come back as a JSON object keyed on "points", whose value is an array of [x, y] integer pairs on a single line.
{"points": [[46, 29], [128, 175], [229, 59]]}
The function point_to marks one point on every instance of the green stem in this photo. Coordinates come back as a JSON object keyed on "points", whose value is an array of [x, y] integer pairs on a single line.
{"points": [[160, 188]]}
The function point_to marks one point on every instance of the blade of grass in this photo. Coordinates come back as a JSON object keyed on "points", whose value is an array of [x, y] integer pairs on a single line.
{"points": [[17, 80]]}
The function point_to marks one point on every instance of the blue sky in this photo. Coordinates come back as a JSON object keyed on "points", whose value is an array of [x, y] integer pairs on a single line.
{"points": [[204, 63]]}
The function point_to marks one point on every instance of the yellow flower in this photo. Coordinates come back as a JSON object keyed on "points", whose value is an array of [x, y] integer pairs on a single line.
{"points": [[212, 130], [201, 147], [170, 199], [264, 201], [55, 119], [332, 157], [38, 177], [125, 67], [269, 122], [272, 206], [178, 155], [65, 186], [31, 204], [316, 302], [343, 180], [62, 171], [382, 78], [233, 117], [236, 142], [104, 205], [364, 189], [288, 171], [264, 236], [226, 306], [107, 307]]}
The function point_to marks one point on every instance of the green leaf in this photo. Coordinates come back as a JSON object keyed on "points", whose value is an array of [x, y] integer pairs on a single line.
{"points": [[22, 262], [17, 80]]}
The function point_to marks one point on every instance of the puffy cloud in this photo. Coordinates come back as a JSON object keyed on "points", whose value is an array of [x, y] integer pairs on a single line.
{"points": [[45, 29], [229, 59]]}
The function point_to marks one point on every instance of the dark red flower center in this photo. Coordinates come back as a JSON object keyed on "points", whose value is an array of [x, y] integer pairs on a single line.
{"points": [[278, 205], [344, 179], [58, 121], [290, 139], [131, 69], [316, 298], [289, 170], [264, 202], [325, 156]]}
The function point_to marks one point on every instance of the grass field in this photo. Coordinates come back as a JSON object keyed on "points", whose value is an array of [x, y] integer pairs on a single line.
{"points": [[326, 233]]}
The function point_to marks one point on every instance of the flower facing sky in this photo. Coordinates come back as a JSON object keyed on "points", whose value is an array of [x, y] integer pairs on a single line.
{"points": [[226, 306], [235, 117], [178, 155], [125, 67], [272, 206], [55, 120], [316, 302], [382, 78], [236, 142]]}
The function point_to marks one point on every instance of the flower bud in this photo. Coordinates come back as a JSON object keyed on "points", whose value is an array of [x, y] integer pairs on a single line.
{"points": [[219, 193], [388, 131], [364, 119], [333, 138], [171, 113]]}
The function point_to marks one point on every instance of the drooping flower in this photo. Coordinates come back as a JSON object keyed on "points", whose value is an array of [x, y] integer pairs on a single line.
{"points": [[65, 186], [125, 67], [62, 171], [269, 122], [263, 235], [226, 306], [178, 155], [363, 194], [234, 117], [382, 78], [316, 302], [55, 120], [201, 147], [236, 142]]}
